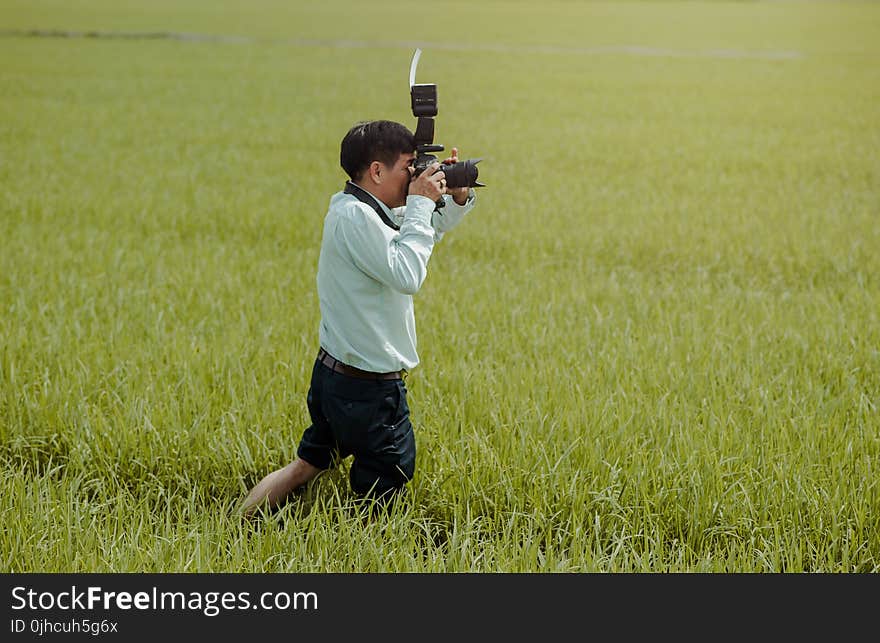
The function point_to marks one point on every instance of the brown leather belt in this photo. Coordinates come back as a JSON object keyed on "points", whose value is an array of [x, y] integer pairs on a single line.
{"points": [[335, 365]]}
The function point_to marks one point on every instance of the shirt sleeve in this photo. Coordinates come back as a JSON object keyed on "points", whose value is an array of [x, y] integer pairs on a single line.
{"points": [[397, 259], [448, 217]]}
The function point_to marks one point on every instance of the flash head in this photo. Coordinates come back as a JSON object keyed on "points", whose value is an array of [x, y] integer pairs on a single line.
{"points": [[424, 100]]}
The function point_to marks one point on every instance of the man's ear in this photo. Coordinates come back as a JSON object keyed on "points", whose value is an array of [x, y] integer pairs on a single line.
{"points": [[375, 171]]}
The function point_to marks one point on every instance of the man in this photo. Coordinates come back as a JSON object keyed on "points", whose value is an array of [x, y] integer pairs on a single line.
{"points": [[378, 237]]}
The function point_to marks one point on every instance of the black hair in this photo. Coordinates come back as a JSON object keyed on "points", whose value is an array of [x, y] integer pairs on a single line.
{"points": [[370, 141]]}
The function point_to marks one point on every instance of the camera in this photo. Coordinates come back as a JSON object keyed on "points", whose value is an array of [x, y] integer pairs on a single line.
{"points": [[423, 98], [458, 175]]}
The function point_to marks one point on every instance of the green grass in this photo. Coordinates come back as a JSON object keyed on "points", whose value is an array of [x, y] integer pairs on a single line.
{"points": [[653, 346]]}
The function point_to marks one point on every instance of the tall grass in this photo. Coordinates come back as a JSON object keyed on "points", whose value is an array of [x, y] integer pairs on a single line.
{"points": [[653, 346]]}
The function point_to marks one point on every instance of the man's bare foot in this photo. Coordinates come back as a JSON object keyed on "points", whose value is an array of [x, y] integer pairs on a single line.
{"points": [[274, 488]]}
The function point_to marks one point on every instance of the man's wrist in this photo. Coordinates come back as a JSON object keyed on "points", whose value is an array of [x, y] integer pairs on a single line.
{"points": [[464, 201]]}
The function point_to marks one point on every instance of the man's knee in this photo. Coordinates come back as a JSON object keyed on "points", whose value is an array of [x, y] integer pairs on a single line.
{"points": [[369, 480]]}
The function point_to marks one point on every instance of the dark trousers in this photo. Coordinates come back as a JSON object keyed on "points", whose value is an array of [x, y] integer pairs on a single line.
{"points": [[368, 419]]}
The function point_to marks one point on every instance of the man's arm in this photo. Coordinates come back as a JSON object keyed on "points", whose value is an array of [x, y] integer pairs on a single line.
{"points": [[445, 219], [398, 260]]}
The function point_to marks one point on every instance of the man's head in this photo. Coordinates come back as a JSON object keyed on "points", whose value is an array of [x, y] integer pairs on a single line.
{"points": [[377, 156]]}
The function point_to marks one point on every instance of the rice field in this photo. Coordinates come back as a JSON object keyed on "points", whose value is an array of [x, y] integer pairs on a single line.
{"points": [[653, 346]]}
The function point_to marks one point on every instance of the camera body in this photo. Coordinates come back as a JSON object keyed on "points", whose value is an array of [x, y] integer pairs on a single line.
{"points": [[423, 99]]}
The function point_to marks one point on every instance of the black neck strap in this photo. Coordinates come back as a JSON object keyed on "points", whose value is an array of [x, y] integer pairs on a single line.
{"points": [[365, 197]]}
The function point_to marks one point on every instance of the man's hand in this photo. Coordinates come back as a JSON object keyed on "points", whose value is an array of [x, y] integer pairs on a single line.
{"points": [[459, 195], [430, 183]]}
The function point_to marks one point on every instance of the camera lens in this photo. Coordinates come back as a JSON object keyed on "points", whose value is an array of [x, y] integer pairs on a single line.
{"points": [[462, 174]]}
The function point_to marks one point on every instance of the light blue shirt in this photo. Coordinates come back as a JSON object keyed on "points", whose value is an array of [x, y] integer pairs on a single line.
{"points": [[368, 273]]}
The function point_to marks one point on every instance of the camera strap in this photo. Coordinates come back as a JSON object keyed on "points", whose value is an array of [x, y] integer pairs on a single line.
{"points": [[365, 197]]}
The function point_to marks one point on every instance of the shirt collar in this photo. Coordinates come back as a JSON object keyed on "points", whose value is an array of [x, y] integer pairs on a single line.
{"points": [[384, 207]]}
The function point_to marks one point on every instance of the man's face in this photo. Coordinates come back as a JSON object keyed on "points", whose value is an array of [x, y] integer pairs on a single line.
{"points": [[398, 180]]}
